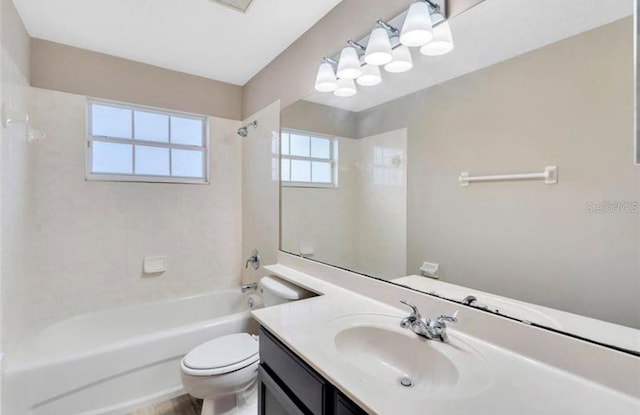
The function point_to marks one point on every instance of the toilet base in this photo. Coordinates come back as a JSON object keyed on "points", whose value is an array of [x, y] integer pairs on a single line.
{"points": [[243, 403]]}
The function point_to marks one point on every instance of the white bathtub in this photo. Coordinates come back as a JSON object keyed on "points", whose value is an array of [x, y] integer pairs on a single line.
{"points": [[110, 362]]}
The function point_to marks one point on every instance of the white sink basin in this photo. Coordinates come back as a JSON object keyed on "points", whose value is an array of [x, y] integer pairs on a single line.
{"points": [[381, 351]]}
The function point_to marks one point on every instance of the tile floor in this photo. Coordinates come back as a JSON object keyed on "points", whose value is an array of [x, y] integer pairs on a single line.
{"points": [[182, 405]]}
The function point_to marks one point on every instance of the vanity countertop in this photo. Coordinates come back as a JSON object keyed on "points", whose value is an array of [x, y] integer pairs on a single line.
{"points": [[514, 383]]}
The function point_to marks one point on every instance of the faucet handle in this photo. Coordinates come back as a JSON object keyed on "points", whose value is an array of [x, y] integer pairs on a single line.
{"points": [[451, 319], [414, 309]]}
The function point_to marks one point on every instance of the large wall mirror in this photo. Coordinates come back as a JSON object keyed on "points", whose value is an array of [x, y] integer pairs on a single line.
{"points": [[392, 182]]}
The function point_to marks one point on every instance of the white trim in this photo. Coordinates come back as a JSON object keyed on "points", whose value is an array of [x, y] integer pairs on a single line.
{"points": [[309, 185], [132, 177]]}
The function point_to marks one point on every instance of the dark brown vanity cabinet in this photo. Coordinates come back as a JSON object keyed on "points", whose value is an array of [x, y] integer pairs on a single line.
{"points": [[288, 386]]}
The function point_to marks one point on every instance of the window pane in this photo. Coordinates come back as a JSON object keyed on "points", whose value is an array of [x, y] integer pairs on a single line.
{"points": [[187, 163], [284, 144], [112, 158], [320, 148], [186, 131], [110, 121], [151, 127], [285, 172], [321, 172], [152, 161], [300, 171], [299, 145]]}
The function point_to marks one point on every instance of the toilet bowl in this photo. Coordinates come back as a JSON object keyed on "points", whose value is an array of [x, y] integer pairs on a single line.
{"points": [[223, 372]]}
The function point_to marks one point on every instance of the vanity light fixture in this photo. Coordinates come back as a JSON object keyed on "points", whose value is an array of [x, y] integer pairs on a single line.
{"points": [[379, 48], [349, 64], [417, 29], [424, 26], [402, 61], [326, 79], [442, 42], [346, 88], [370, 76]]}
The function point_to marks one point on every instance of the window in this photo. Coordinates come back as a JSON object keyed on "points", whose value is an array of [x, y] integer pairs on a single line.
{"points": [[131, 143], [308, 160]]}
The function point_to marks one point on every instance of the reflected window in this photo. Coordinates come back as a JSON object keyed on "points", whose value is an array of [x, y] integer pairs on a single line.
{"points": [[131, 143], [308, 160]]}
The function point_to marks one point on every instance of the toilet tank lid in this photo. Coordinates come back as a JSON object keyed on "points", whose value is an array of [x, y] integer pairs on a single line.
{"points": [[283, 289]]}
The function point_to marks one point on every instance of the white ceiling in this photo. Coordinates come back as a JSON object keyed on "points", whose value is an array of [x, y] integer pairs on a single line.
{"points": [[493, 31], [199, 37]]}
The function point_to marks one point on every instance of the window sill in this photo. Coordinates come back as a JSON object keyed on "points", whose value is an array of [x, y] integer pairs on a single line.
{"points": [[144, 179], [309, 185]]}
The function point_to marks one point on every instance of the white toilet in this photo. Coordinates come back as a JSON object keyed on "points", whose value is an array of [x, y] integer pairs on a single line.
{"points": [[223, 371]]}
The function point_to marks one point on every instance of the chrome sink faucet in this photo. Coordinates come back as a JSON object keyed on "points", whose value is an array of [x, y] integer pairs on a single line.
{"points": [[430, 329]]}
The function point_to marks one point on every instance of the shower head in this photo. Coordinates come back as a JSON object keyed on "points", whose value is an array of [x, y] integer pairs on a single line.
{"points": [[244, 131]]}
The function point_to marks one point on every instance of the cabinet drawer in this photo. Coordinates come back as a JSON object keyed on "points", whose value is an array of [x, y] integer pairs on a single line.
{"points": [[303, 382]]}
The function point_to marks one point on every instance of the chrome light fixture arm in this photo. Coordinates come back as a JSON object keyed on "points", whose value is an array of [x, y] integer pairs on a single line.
{"points": [[435, 7], [356, 45], [393, 30]]}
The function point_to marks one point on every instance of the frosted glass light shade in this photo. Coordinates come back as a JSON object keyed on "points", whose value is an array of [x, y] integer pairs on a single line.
{"points": [[326, 78], [349, 64], [401, 62], [379, 48], [417, 29], [370, 76], [442, 42], [346, 88]]}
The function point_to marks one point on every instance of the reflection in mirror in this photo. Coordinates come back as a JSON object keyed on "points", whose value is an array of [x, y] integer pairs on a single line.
{"points": [[339, 193], [637, 77], [526, 87]]}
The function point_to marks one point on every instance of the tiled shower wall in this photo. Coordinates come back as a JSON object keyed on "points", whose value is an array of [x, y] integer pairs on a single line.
{"points": [[15, 188], [89, 238]]}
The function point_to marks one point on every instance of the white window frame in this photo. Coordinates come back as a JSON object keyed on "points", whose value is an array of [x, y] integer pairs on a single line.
{"points": [[126, 177], [332, 154]]}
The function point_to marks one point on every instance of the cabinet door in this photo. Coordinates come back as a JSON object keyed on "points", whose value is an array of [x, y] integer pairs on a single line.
{"points": [[301, 381], [344, 406], [272, 399]]}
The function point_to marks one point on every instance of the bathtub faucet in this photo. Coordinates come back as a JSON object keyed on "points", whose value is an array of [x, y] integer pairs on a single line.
{"points": [[248, 287]]}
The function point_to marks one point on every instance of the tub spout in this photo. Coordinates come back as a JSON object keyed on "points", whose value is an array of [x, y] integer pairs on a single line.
{"points": [[248, 287]]}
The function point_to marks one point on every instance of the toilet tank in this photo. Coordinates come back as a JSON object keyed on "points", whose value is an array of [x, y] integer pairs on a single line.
{"points": [[278, 291]]}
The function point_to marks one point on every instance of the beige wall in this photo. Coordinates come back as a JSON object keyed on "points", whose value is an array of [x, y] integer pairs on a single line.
{"points": [[79, 71], [88, 238], [290, 76], [569, 104], [322, 119]]}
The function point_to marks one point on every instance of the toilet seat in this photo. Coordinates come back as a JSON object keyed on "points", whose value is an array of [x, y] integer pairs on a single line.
{"points": [[222, 355]]}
